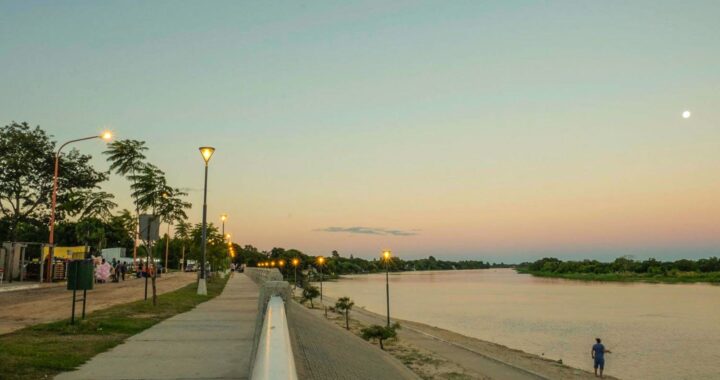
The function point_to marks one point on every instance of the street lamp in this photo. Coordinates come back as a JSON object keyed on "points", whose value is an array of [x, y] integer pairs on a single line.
{"points": [[386, 257], [295, 263], [320, 262], [106, 136], [207, 153], [281, 264]]}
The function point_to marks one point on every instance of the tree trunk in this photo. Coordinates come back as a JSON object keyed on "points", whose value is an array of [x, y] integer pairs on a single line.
{"points": [[381, 345], [182, 261], [154, 289], [347, 320], [167, 248]]}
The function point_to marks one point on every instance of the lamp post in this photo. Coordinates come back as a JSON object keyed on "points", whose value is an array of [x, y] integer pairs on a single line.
{"points": [[386, 257], [206, 153], [281, 264], [106, 136], [321, 261], [295, 263]]}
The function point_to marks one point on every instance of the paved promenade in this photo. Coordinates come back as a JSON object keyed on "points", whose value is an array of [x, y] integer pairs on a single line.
{"points": [[324, 351], [212, 341]]}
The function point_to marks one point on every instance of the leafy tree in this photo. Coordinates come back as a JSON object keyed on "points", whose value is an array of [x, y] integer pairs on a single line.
{"points": [[27, 157], [172, 210], [85, 204], [309, 293], [182, 234], [127, 157], [380, 333], [343, 305]]}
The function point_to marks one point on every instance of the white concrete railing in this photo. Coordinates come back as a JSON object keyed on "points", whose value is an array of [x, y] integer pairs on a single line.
{"points": [[274, 357]]}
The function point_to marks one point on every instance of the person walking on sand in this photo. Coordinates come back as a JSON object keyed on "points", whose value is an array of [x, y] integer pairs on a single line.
{"points": [[598, 352]]}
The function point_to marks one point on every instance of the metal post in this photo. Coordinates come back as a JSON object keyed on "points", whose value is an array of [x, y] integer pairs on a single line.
{"points": [[72, 318], [387, 290], [295, 285], [84, 299], [202, 287], [51, 238], [321, 278]]}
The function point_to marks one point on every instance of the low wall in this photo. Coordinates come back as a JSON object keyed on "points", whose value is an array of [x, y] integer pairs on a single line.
{"points": [[263, 275], [271, 283]]}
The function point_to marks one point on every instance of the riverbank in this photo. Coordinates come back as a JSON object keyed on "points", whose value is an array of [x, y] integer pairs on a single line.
{"points": [[670, 278], [435, 353]]}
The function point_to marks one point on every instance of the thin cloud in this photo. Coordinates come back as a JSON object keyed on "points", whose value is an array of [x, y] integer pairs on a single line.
{"points": [[369, 231]]}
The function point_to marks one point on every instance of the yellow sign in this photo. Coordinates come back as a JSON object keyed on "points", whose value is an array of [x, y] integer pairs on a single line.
{"points": [[72, 253]]}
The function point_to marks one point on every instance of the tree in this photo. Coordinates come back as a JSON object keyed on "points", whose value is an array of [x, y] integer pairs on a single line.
{"points": [[343, 305], [126, 157], [172, 210], [85, 204], [380, 333], [149, 188], [309, 293], [27, 158], [182, 233]]}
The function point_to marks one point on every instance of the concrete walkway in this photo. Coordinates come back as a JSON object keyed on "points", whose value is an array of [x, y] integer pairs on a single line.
{"points": [[212, 341], [324, 351]]}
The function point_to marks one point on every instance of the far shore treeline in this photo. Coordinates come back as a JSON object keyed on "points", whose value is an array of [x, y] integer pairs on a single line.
{"points": [[335, 264], [627, 269]]}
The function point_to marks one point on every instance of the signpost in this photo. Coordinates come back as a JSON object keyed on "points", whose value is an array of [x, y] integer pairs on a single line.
{"points": [[80, 277], [149, 231]]}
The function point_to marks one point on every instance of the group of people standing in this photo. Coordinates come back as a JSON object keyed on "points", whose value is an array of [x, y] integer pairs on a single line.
{"points": [[114, 272]]}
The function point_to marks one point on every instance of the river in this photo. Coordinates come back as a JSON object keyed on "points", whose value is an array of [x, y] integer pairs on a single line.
{"points": [[655, 331]]}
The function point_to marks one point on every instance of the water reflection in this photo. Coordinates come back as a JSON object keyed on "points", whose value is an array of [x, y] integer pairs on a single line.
{"points": [[654, 330]]}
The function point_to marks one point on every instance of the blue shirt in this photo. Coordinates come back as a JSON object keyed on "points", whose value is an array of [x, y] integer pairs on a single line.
{"points": [[599, 350]]}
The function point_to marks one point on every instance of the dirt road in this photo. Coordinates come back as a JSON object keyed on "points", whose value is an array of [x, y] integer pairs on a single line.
{"points": [[23, 308]]}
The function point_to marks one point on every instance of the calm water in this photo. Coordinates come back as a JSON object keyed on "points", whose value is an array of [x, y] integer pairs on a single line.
{"points": [[655, 331]]}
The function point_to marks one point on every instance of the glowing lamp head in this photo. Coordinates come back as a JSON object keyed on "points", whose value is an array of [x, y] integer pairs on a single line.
{"points": [[321, 260], [223, 217], [106, 136], [295, 262], [386, 254], [686, 114], [281, 263], [272, 263], [207, 152]]}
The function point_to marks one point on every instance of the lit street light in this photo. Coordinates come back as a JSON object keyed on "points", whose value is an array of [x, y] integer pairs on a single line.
{"points": [[320, 262], [386, 257], [295, 263], [106, 136], [206, 153], [281, 264]]}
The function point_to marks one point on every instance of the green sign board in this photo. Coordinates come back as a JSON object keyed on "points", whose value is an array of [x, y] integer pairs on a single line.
{"points": [[80, 275]]}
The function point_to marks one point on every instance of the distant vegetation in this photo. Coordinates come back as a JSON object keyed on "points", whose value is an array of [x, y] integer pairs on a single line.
{"points": [[336, 265], [627, 269]]}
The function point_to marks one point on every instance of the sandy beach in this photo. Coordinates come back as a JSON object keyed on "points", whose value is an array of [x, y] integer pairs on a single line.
{"points": [[434, 353]]}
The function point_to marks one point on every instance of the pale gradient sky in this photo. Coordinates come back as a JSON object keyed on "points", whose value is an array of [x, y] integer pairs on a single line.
{"points": [[503, 130]]}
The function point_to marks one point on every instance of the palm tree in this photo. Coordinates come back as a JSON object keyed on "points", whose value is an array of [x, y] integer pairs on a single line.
{"points": [[344, 305], [126, 157]]}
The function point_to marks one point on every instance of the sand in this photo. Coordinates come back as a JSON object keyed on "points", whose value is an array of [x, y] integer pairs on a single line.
{"points": [[22, 308]]}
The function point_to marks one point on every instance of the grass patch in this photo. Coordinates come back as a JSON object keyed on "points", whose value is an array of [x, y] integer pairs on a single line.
{"points": [[670, 278], [42, 351]]}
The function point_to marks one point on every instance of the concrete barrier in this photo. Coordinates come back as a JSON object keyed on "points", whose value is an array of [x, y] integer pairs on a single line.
{"points": [[274, 359], [269, 339], [263, 275]]}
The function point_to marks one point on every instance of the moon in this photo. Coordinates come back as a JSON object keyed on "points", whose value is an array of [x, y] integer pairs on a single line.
{"points": [[686, 114]]}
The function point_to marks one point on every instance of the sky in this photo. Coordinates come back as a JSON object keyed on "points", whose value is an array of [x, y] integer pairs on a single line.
{"points": [[490, 130]]}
